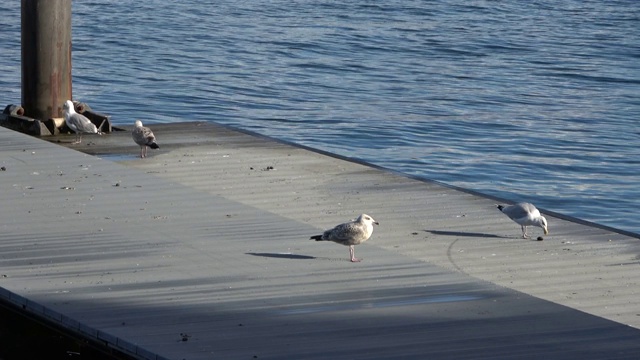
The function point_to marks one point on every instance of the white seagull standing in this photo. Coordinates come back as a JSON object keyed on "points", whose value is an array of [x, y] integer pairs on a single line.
{"points": [[525, 214], [350, 234], [144, 137], [77, 122]]}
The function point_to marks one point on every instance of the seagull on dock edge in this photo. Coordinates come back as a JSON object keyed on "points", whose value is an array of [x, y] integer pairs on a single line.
{"points": [[525, 214]]}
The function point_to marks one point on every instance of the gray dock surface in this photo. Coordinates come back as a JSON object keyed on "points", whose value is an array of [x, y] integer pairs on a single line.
{"points": [[202, 251]]}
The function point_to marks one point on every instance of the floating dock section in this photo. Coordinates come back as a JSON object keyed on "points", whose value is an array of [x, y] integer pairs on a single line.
{"points": [[202, 251]]}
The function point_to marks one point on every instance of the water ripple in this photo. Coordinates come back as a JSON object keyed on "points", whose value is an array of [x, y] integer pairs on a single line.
{"points": [[529, 101]]}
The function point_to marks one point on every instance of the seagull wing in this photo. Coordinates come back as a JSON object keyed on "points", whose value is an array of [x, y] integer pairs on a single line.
{"points": [[522, 212], [143, 136], [80, 124], [350, 233]]}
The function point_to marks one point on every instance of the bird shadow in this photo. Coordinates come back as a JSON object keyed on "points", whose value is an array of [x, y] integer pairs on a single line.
{"points": [[283, 256], [462, 233]]}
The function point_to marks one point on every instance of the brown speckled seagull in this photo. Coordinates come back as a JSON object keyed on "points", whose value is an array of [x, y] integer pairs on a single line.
{"points": [[350, 234], [144, 137]]}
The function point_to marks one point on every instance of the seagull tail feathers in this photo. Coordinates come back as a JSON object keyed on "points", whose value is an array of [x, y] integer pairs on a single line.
{"points": [[316, 237], [154, 146]]}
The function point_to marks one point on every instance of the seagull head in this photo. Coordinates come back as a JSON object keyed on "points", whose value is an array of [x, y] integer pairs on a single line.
{"points": [[543, 224], [367, 219], [138, 123], [68, 107]]}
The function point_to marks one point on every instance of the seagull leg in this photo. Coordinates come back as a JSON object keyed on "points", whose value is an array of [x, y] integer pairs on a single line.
{"points": [[524, 232], [141, 153], [352, 254]]}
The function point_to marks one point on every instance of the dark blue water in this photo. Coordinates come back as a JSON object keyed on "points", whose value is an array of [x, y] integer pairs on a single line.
{"points": [[526, 100]]}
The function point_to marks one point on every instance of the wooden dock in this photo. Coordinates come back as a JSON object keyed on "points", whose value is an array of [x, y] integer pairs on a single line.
{"points": [[202, 251]]}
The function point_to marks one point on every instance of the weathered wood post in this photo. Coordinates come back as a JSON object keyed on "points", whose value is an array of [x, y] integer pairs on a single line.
{"points": [[46, 57], [46, 72]]}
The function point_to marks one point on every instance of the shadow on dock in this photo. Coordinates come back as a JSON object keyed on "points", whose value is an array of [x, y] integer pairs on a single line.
{"points": [[463, 233], [283, 256]]}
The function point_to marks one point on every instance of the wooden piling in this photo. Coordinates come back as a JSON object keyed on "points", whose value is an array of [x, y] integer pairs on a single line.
{"points": [[46, 57]]}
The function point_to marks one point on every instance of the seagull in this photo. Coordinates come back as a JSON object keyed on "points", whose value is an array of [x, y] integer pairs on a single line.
{"points": [[525, 214], [144, 137], [78, 122], [350, 234]]}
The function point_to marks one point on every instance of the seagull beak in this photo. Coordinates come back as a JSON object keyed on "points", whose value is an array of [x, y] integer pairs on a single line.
{"points": [[377, 223]]}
